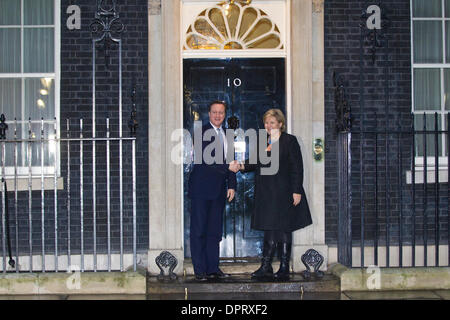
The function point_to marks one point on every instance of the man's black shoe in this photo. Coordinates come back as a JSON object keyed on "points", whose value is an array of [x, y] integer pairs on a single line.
{"points": [[218, 275], [201, 277]]}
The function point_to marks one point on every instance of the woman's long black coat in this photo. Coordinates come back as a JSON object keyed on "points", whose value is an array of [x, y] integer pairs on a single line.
{"points": [[274, 209]]}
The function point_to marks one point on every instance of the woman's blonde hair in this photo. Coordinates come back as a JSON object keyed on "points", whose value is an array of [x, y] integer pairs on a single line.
{"points": [[278, 115]]}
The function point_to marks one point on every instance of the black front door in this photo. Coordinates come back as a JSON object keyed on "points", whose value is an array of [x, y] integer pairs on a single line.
{"points": [[250, 87]]}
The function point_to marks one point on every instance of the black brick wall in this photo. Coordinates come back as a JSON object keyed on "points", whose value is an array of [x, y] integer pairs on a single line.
{"points": [[383, 85], [76, 103]]}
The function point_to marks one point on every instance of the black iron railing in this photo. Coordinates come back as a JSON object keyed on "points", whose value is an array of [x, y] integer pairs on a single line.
{"points": [[395, 184]]}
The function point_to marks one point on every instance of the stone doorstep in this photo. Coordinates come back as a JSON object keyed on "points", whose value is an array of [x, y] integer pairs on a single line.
{"points": [[391, 279], [240, 266], [242, 283], [74, 283], [245, 267]]}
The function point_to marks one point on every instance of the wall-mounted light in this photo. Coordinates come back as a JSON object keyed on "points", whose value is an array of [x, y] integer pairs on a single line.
{"points": [[318, 149], [196, 116], [228, 2]]}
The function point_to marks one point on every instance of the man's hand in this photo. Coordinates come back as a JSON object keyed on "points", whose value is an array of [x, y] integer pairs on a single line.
{"points": [[297, 198], [230, 195], [234, 166]]}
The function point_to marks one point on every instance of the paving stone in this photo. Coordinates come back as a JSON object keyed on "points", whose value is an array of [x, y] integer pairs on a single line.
{"points": [[444, 294], [107, 297], [392, 295], [33, 297]]}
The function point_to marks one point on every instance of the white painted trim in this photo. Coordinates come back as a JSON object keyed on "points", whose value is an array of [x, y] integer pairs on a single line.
{"points": [[58, 82], [26, 75], [250, 53], [431, 19], [287, 46], [431, 65], [181, 110]]}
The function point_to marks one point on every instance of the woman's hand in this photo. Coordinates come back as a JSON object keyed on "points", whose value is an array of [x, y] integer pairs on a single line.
{"points": [[234, 166], [230, 195], [297, 198]]}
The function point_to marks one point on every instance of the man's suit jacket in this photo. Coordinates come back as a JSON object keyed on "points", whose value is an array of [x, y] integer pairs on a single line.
{"points": [[210, 181]]}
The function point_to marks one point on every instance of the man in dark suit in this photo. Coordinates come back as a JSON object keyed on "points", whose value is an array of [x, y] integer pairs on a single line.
{"points": [[210, 184]]}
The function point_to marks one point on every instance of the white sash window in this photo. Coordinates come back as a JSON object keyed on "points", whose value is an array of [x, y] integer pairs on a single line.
{"points": [[430, 26], [29, 78]]}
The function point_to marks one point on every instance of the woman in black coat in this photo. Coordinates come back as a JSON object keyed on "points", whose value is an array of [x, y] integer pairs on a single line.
{"points": [[280, 202]]}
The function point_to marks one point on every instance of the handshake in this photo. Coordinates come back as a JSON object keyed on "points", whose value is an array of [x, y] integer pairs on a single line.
{"points": [[235, 166]]}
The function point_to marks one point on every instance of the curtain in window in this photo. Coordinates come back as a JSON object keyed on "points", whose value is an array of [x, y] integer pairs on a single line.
{"points": [[427, 89], [427, 42], [38, 12], [427, 8], [10, 97], [9, 50], [9, 12], [38, 55]]}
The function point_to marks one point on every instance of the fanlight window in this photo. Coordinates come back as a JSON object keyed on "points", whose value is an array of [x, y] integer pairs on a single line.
{"points": [[233, 26]]}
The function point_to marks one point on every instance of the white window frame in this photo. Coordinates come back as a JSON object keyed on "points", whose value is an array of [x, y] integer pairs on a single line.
{"points": [[442, 159], [48, 171]]}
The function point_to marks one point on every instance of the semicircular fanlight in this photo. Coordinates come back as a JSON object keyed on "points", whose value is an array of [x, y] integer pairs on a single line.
{"points": [[232, 26]]}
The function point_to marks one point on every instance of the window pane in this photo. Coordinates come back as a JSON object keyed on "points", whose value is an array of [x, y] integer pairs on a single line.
{"points": [[446, 135], [427, 42], [37, 12], [431, 145], [447, 41], [38, 50], [447, 8], [49, 147], [427, 8], [447, 89], [10, 98], [9, 50], [427, 89], [39, 98], [9, 12], [10, 106]]}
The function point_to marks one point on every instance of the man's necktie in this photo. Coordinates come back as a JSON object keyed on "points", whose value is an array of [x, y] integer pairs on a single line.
{"points": [[221, 141]]}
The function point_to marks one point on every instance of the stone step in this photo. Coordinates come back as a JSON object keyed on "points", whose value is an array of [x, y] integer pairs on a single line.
{"points": [[238, 266], [242, 283]]}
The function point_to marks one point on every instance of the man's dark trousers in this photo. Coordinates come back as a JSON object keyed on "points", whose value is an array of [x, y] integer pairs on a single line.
{"points": [[206, 234], [208, 185]]}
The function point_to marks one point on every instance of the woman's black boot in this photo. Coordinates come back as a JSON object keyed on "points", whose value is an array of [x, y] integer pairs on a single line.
{"points": [[283, 273], [266, 271]]}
